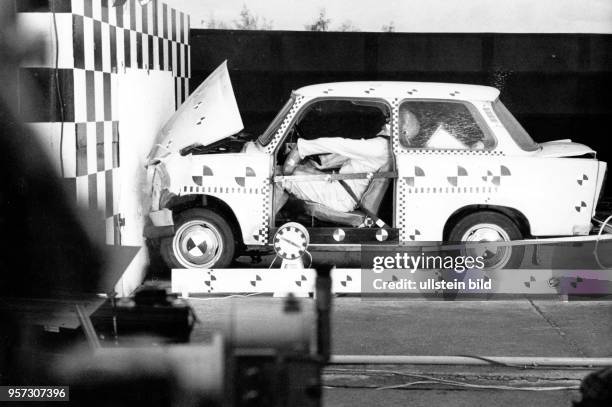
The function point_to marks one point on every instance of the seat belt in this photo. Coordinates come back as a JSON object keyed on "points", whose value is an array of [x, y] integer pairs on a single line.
{"points": [[378, 221]]}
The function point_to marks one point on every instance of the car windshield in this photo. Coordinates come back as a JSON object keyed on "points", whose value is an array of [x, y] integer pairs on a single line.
{"points": [[267, 136], [518, 133]]}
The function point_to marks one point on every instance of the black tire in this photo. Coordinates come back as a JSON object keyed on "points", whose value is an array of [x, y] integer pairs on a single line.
{"points": [[487, 218], [193, 244]]}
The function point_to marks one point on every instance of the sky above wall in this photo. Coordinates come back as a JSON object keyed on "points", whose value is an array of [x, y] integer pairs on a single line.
{"points": [[533, 16]]}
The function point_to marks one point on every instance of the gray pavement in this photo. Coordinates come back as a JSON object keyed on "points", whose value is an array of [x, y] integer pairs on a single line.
{"points": [[521, 327], [434, 398], [516, 327], [486, 328]]}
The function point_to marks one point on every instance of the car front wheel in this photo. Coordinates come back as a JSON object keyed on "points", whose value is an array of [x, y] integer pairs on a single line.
{"points": [[202, 239], [488, 226]]}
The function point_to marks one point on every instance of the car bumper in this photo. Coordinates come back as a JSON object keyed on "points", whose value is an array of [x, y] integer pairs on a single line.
{"points": [[162, 217], [157, 232], [160, 224]]}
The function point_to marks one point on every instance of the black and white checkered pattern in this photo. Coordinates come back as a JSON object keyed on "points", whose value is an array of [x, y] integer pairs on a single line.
{"points": [[209, 279], [395, 125], [414, 234], [256, 280], [580, 206], [412, 176], [495, 176], [430, 151], [346, 280], [299, 101], [190, 189], [381, 235], [302, 280], [339, 235], [452, 190], [264, 230], [454, 179], [402, 191], [96, 43]]}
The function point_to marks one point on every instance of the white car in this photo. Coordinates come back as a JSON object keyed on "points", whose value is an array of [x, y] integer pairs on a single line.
{"points": [[471, 174]]}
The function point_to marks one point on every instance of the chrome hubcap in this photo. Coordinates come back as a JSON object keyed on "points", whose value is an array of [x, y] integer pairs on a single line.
{"points": [[198, 244], [495, 256]]}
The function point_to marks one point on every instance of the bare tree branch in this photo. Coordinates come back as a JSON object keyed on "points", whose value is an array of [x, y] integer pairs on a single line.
{"points": [[250, 21], [389, 28], [321, 23]]}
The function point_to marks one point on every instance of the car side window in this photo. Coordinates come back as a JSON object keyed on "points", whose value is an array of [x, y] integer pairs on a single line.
{"points": [[342, 118], [442, 125]]}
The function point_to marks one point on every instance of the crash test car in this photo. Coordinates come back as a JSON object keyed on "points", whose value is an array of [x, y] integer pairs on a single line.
{"points": [[471, 173]]}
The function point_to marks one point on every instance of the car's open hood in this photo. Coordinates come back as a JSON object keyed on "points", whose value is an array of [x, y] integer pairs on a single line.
{"points": [[209, 114], [564, 148]]}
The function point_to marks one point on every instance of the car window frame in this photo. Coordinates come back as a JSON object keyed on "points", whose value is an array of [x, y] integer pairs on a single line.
{"points": [[268, 133], [301, 112], [303, 107], [476, 115]]}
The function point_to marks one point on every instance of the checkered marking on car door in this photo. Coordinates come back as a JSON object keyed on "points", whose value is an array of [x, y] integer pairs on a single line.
{"points": [[416, 173], [248, 173], [495, 177], [206, 172], [454, 179]]}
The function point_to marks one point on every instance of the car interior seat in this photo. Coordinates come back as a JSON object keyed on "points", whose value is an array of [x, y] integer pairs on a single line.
{"points": [[370, 200]]}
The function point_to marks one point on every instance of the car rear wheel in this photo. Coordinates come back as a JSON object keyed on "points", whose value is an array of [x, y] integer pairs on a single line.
{"points": [[488, 226], [202, 239]]}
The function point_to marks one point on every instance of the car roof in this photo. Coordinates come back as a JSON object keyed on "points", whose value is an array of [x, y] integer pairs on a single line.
{"points": [[415, 90]]}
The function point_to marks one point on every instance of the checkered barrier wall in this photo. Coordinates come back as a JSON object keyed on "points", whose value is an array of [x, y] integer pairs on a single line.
{"points": [[92, 43]]}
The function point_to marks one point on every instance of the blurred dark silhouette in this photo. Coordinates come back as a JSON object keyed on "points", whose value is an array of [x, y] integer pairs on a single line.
{"points": [[45, 252], [596, 389]]}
